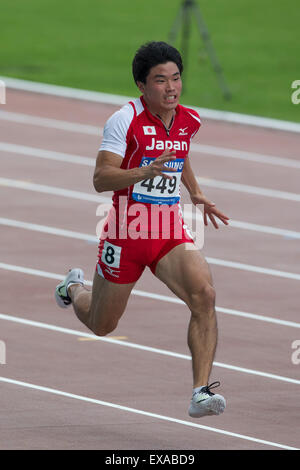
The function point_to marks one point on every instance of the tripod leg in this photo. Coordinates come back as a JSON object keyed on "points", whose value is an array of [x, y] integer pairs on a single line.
{"points": [[176, 26], [211, 52], [185, 39]]}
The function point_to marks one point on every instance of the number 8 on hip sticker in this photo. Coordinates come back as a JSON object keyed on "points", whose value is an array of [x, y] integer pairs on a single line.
{"points": [[111, 255]]}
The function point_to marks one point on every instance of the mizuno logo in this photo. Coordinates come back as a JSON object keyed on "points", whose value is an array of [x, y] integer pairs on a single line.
{"points": [[112, 272], [182, 131]]}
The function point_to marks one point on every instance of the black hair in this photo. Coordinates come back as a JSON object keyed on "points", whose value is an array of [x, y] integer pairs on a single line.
{"points": [[151, 54]]}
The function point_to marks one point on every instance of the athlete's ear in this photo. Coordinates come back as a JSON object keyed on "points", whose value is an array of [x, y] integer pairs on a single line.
{"points": [[141, 86]]}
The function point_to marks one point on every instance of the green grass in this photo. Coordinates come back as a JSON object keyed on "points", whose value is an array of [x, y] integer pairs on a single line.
{"points": [[90, 44]]}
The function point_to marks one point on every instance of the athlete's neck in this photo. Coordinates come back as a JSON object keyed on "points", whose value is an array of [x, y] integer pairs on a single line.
{"points": [[167, 122], [165, 116]]}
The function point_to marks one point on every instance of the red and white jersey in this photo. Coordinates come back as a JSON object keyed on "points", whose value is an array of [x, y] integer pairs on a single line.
{"points": [[139, 137]]}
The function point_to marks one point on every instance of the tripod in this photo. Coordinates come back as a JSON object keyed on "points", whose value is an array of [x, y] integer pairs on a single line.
{"points": [[187, 9]]}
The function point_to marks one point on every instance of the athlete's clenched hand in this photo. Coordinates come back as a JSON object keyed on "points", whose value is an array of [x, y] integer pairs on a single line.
{"points": [[157, 168]]}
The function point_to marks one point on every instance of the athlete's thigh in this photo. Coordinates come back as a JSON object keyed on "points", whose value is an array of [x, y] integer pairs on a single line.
{"points": [[119, 266], [185, 271], [109, 300]]}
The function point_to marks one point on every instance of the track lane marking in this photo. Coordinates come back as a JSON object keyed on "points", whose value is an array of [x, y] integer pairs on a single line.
{"points": [[246, 188], [152, 295], [91, 239], [188, 215], [90, 130], [120, 100], [141, 347], [210, 182], [143, 413], [50, 123], [46, 189]]}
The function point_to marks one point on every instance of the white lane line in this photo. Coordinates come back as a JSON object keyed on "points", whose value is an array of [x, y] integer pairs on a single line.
{"points": [[120, 100], [165, 298], [197, 148], [91, 239], [46, 154], [143, 413], [57, 231], [253, 316], [244, 188], [77, 159], [245, 156], [86, 196], [141, 347], [81, 160], [48, 230], [98, 131], [94, 239], [42, 188], [252, 268], [292, 234], [29, 186], [49, 123], [26, 185]]}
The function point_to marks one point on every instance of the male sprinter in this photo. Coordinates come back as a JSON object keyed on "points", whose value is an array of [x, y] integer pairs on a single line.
{"points": [[142, 158]]}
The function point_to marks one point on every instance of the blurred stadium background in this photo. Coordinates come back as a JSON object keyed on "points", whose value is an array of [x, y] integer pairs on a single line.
{"points": [[90, 45]]}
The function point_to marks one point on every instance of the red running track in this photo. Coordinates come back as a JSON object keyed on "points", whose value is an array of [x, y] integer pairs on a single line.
{"points": [[61, 387]]}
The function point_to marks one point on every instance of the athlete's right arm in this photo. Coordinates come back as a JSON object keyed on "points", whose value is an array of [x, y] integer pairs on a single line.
{"points": [[108, 176]]}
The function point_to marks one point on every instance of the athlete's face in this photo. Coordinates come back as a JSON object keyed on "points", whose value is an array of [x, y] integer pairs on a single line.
{"points": [[162, 88]]}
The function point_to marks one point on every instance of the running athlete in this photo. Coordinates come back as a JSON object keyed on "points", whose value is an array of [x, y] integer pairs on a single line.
{"points": [[143, 158]]}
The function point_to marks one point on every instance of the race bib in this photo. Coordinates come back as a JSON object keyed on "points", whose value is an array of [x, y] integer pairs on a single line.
{"points": [[159, 190]]}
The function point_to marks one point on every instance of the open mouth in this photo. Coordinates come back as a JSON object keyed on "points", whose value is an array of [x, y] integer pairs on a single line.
{"points": [[171, 98]]}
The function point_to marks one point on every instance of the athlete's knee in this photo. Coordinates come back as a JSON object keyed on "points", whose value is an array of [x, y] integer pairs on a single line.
{"points": [[104, 329], [203, 300]]}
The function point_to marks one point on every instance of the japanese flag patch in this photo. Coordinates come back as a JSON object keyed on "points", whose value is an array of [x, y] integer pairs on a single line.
{"points": [[149, 130]]}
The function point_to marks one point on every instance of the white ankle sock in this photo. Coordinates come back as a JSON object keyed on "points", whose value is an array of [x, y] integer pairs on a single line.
{"points": [[197, 389]]}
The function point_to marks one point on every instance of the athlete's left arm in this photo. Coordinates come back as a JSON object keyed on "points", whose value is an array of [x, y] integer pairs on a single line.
{"points": [[197, 197]]}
